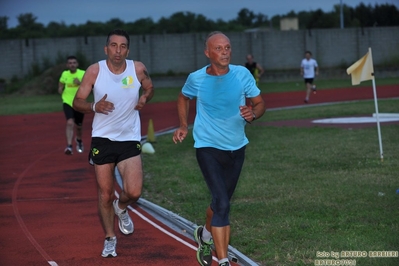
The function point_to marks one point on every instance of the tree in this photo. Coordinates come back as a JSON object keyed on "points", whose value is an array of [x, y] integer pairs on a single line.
{"points": [[115, 23], [92, 29], [56, 29], [261, 21], [275, 21], [28, 27], [348, 14], [141, 26], [364, 14], [245, 18], [184, 22], [315, 19], [386, 15], [27, 21], [3, 23]]}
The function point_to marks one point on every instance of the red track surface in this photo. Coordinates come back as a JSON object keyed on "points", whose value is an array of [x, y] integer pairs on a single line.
{"points": [[48, 201]]}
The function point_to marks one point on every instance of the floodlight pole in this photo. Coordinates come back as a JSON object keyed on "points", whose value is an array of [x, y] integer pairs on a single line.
{"points": [[341, 15]]}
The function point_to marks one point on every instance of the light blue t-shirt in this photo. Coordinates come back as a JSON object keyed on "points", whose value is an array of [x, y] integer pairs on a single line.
{"points": [[218, 122]]}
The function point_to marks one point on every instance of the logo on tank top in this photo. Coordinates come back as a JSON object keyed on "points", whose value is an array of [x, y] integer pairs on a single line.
{"points": [[127, 82]]}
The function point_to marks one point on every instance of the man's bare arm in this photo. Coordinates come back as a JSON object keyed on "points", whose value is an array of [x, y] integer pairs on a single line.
{"points": [[79, 103], [60, 87], [260, 68], [183, 106], [258, 106], [146, 84]]}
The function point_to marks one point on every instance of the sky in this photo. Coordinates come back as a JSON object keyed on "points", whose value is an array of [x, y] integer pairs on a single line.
{"points": [[80, 11]]}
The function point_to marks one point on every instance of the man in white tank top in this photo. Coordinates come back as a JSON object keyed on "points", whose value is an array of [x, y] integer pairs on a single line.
{"points": [[309, 69], [116, 132]]}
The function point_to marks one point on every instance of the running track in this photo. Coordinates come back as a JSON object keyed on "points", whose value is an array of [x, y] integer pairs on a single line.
{"points": [[48, 201]]}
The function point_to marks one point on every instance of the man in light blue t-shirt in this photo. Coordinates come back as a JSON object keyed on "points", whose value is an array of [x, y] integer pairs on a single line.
{"points": [[221, 91]]}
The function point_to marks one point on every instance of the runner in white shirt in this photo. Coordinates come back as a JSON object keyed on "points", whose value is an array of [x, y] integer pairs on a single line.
{"points": [[309, 69], [116, 134]]}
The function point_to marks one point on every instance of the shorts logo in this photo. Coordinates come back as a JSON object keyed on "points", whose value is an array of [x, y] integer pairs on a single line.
{"points": [[139, 147], [94, 152]]}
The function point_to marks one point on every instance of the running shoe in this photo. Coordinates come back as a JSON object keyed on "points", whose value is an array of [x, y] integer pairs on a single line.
{"points": [[109, 250], [79, 145], [314, 89], [68, 150], [224, 264], [125, 223], [204, 251]]}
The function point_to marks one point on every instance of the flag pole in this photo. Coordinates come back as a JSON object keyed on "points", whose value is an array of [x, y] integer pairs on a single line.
{"points": [[378, 120], [362, 70], [376, 111]]}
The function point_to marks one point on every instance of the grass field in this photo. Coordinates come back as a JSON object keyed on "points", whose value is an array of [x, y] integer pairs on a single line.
{"points": [[303, 192], [17, 104]]}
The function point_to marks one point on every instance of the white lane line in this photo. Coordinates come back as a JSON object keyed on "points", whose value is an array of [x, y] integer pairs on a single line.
{"points": [[18, 215], [354, 120]]}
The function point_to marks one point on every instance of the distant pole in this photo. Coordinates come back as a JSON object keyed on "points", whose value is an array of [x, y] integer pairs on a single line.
{"points": [[341, 15]]}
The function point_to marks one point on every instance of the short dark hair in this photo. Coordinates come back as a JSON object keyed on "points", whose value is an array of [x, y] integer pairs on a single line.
{"points": [[308, 52], [119, 32], [71, 57]]}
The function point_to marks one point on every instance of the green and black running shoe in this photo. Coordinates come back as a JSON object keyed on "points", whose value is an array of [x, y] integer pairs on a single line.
{"points": [[204, 251]]}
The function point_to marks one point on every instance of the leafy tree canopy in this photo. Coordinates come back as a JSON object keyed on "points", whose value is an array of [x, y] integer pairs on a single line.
{"points": [[185, 22]]}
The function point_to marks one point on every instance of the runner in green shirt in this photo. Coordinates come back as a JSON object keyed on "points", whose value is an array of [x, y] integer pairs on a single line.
{"points": [[68, 86]]}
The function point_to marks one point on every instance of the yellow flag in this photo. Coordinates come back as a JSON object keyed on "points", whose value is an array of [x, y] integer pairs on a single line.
{"points": [[362, 70]]}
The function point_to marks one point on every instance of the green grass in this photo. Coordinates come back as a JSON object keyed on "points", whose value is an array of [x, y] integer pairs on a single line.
{"points": [[301, 191], [329, 111], [18, 104], [170, 94], [13, 104], [267, 87]]}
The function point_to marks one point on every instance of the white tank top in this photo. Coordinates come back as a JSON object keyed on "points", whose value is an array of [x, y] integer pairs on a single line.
{"points": [[123, 123]]}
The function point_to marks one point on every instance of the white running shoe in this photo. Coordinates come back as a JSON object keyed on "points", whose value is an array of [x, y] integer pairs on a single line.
{"points": [[125, 223], [109, 250], [68, 151], [79, 145], [314, 89]]}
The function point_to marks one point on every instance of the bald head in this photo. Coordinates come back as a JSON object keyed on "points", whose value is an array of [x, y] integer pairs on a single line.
{"points": [[218, 50], [211, 36]]}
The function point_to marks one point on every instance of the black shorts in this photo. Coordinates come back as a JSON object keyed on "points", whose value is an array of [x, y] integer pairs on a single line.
{"points": [[105, 151], [71, 113], [309, 81]]}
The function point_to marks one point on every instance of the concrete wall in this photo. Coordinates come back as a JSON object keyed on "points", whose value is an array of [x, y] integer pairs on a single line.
{"points": [[183, 53]]}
